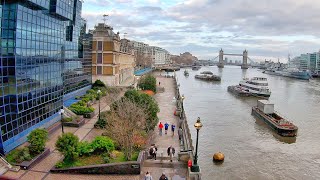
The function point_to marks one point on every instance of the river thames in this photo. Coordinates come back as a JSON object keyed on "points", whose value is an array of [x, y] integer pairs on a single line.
{"points": [[251, 149]]}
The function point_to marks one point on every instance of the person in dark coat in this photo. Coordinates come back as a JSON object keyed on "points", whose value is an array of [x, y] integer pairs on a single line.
{"points": [[171, 152], [163, 177]]}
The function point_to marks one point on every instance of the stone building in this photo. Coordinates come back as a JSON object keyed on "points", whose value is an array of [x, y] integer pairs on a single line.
{"points": [[112, 61]]}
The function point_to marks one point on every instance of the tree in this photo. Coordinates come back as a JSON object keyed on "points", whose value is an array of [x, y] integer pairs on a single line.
{"points": [[37, 139], [125, 120], [148, 82], [68, 145], [148, 104], [143, 59]]}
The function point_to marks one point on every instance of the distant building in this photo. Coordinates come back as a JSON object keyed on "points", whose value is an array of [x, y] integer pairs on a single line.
{"points": [[159, 56], [112, 58], [309, 61], [42, 65]]}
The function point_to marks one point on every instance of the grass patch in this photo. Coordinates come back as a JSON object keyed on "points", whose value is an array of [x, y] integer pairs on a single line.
{"points": [[116, 156]]}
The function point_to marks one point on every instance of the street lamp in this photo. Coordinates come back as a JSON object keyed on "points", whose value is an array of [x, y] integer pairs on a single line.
{"points": [[61, 112], [99, 92], [195, 167]]}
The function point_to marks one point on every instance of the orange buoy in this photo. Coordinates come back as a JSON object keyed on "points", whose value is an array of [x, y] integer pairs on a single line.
{"points": [[219, 156]]}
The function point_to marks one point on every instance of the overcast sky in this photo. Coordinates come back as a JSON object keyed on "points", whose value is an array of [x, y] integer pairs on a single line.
{"points": [[268, 29]]}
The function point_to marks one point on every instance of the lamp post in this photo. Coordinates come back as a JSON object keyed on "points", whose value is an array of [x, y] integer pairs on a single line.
{"points": [[182, 109], [61, 113], [195, 167], [99, 92]]}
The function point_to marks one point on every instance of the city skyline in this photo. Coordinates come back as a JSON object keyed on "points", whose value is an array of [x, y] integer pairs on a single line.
{"points": [[268, 29]]}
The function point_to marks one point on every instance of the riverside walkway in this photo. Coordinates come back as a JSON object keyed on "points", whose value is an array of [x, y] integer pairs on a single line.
{"points": [[85, 132], [174, 170]]}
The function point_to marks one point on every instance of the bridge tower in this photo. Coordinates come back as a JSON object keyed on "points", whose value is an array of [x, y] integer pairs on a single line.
{"points": [[245, 60], [220, 64]]}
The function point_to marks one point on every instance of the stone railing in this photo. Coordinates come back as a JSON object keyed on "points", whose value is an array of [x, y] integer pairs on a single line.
{"points": [[186, 147]]}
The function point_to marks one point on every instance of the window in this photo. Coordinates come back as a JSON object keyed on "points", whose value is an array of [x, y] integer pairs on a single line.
{"points": [[99, 45], [99, 70], [99, 58]]}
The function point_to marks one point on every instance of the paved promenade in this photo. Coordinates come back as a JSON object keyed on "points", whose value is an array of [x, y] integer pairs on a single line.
{"points": [[42, 169], [173, 170]]}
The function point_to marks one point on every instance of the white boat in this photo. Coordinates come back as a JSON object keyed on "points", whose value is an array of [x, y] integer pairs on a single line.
{"points": [[257, 86]]}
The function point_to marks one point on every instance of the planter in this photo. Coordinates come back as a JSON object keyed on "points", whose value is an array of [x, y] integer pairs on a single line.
{"points": [[74, 123], [130, 167], [89, 115], [35, 160]]}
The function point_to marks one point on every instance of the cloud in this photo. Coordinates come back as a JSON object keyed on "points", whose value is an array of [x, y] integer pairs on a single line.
{"points": [[267, 28]]}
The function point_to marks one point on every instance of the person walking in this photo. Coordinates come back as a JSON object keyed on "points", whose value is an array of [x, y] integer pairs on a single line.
{"points": [[160, 128], [173, 127], [148, 176], [163, 177], [180, 133], [153, 151], [171, 152], [159, 83], [166, 126]]}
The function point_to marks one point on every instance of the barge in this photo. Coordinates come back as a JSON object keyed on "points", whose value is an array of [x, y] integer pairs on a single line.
{"points": [[265, 112]]}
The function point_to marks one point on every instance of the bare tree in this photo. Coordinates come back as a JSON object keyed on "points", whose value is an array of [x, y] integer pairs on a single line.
{"points": [[125, 120], [143, 59]]}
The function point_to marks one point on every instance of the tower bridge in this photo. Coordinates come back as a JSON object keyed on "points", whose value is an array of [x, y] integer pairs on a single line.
{"points": [[244, 59]]}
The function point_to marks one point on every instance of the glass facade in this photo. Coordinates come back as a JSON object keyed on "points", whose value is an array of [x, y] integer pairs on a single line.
{"points": [[41, 62]]}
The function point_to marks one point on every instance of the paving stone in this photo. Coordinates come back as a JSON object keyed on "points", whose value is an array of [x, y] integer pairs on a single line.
{"points": [[33, 175]]}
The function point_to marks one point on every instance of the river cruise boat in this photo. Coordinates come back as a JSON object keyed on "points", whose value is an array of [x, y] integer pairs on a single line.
{"points": [[264, 111], [196, 68], [208, 77], [256, 86]]}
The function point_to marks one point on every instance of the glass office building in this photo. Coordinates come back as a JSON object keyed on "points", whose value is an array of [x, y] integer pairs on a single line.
{"points": [[41, 64]]}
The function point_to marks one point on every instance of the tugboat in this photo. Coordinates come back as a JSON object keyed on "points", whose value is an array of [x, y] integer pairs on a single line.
{"points": [[208, 76], [265, 112], [186, 73], [256, 86]]}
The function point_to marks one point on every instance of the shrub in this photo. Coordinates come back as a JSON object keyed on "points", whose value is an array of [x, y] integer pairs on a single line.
{"points": [[19, 155], [101, 123], [106, 159], [67, 119], [102, 144], [85, 148], [98, 83], [148, 83], [68, 144], [79, 109], [37, 139]]}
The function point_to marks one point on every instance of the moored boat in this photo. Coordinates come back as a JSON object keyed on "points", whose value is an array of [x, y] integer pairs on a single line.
{"points": [[206, 72], [196, 67], [208, 77], [256, 86], [265, 111]]}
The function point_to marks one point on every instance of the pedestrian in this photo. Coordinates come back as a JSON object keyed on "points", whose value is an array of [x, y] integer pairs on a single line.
{"points": [[171, 152], [173, 127], [159, 83], [166, 126], [163, 177], [160, 128], [180, 133], [148, 176], [153, 151]]}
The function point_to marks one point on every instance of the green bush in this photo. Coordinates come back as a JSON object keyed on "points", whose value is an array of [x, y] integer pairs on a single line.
{"points": [[102, 144], [85, 148], [80, 109], [98, 83], [148, 83], [68, 145], [101, 123], [19, 155], [37, 139], [106, 159], [67, 119]]}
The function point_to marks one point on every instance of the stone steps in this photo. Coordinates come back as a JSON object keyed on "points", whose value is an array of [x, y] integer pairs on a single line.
{"points": [[164, 164]]}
